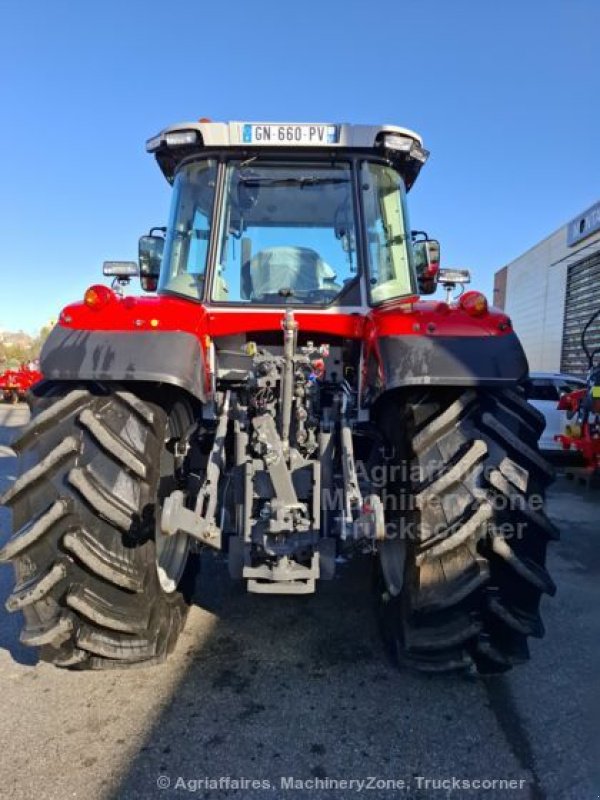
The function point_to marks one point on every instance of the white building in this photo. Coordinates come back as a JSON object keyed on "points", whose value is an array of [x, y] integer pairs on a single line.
{"points": [[551, 291]]}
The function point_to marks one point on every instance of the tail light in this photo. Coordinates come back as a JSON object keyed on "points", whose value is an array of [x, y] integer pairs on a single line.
{"points": [[474, 304], [98, 296]]}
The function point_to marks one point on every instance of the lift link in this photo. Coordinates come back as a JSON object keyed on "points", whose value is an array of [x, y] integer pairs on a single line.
{"points": [[201, 523]]}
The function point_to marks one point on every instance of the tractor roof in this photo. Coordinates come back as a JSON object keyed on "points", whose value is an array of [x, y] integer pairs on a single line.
{"points": [[183, 139]]}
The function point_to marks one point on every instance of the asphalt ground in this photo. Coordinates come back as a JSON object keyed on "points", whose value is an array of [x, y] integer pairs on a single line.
{"points": [[266, 688]]}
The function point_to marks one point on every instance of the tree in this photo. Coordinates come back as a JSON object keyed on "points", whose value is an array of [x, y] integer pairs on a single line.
{"points": [[38, 342]]}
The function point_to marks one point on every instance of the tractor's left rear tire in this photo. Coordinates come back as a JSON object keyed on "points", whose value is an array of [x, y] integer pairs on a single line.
{"points": [[93, 467], [462, 569]]}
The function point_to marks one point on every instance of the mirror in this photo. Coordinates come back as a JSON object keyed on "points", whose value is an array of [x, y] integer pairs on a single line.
{"points": [[427, 263], [248, 188], [150, 252]]}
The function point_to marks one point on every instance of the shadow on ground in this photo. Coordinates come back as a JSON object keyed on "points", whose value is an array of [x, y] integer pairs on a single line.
{"points": [[301, 688]]}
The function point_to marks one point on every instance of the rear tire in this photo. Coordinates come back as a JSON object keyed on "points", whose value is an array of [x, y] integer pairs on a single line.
{"points": [[468, 530], [84, 518]]}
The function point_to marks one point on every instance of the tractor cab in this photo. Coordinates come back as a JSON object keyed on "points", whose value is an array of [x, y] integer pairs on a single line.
{"points": [[303, 215]]}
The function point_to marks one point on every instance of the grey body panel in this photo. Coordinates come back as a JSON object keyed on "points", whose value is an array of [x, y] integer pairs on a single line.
{"points": [[168, 357], [230, 136], [448, 361]]}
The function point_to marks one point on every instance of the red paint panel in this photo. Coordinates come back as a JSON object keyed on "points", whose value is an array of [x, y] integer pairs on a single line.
{"points": [[174, 314], [138, 314], [436, 318], [229, 322]]}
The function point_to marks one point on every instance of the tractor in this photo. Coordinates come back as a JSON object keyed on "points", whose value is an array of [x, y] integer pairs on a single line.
{"points": [[282, 396]]}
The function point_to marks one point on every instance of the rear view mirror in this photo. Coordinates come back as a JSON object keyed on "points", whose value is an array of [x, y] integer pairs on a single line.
{"points": [[247, 191], [150, 251], [427, 262]]}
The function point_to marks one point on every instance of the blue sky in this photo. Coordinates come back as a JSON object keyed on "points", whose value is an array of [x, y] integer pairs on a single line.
{"points": [[505, 95]]}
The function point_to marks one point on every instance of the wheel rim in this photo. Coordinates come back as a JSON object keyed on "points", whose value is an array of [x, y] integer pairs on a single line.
{"points": [[171, 557], [171, 551]]}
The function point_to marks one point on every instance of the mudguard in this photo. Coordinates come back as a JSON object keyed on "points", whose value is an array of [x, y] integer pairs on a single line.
{"points": [[170, 357], [446, 361]]}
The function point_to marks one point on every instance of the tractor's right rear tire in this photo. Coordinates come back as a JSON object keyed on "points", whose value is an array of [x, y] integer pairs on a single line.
{"points": [[462, 570], [92, 469]]}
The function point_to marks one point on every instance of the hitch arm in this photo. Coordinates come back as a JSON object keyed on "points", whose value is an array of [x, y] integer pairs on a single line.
{"points": [[200, 523]]}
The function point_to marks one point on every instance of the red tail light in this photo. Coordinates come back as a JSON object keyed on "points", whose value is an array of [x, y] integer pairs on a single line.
{"points": [[98, 296], [474, 304]]}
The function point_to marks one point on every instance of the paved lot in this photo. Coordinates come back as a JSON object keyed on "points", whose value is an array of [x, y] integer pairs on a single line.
{"points": [[262, 688]]}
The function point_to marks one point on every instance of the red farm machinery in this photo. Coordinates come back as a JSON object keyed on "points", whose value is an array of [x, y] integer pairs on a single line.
{"points": [[582, 432], [16, 383], [284, 395]]}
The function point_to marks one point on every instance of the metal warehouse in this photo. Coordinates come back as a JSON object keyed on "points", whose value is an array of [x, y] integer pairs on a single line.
{"points": [[552, 290]]}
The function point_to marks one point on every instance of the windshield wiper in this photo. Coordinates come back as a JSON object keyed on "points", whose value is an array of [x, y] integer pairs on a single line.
{"points": [[306, 180]]}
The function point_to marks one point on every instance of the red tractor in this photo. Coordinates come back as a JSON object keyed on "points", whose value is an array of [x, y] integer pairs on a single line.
{"points": [[582, 434], [16, 383], [284, 397]]}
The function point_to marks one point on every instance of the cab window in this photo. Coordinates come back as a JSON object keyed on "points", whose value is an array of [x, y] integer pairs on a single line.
{"points": [[188, 233], [390, 268], [287, 232]]}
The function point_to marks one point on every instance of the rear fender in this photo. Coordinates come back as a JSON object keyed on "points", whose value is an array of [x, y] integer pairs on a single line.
{"points": [[166, 357], [395, 362]]}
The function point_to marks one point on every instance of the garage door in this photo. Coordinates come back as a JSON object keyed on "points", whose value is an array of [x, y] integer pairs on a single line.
{"points": [[583, 298]]}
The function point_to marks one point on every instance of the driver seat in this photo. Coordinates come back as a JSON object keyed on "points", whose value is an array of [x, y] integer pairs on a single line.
{"points": [[300, 269]]}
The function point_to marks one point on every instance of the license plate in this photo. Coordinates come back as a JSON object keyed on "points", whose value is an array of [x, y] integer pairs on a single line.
{"points": [[290, 135]]}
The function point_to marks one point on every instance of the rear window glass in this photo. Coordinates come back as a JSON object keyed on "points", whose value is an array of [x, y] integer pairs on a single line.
{"points": [[542, 389]]}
